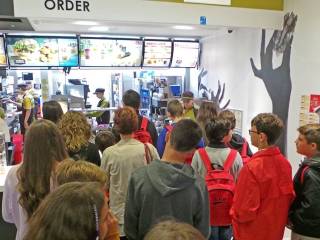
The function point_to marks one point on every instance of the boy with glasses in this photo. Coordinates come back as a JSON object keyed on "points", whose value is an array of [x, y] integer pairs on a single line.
{"points": [[264, 190], [304, 214]]}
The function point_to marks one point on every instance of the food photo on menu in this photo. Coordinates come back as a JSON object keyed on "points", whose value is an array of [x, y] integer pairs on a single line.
{"points": [[3, 59], [110, 53], [68, 52], [157, 53], [185, 54], [41, 51]]}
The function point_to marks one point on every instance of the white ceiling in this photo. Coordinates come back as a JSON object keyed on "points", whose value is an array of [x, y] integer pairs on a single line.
{"points": [[122, 28]]}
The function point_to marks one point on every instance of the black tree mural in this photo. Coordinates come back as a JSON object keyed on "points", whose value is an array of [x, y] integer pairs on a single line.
{"points": [[278, 80], [209, 94]]}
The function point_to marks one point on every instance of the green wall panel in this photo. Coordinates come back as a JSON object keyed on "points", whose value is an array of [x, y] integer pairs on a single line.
{"points": [[257, 4]]}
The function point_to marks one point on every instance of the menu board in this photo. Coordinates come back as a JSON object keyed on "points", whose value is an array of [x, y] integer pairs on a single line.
{"points": [[185, 54], [3, 60], [110, 52], [42, 51], [157, 53]]}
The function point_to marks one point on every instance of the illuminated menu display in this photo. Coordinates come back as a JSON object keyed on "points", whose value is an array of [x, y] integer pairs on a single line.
{"points": [[157, 53], [110, 52], [3, 60], [42, 51], [185, 54]]}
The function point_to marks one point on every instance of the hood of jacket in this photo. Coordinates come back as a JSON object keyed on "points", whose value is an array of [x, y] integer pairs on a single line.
{"points": [[168, 178], [236, 141], [313, 162]]}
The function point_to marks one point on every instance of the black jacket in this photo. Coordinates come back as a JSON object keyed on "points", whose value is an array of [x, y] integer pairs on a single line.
{"points": [[88, 153], [305, 210], [237, 142]]}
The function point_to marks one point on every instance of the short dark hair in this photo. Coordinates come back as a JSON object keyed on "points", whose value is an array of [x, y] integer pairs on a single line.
{"points": [[175, 108], [104, 139], [269, 124], [131, 99], [185, 135], [126, 120], [217, 129], [228, 115], [52, 111], [312, 133]]}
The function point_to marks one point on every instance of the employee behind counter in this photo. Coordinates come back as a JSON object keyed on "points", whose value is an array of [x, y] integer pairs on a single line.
{"points": [[101, 117], [26, 104]]}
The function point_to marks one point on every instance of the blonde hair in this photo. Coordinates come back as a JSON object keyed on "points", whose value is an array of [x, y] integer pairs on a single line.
{"points": [[75, 130], [172, 230], [79, 171]]}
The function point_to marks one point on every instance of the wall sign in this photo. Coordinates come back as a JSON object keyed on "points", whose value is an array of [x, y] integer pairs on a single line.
{"points": [[67, 5]]}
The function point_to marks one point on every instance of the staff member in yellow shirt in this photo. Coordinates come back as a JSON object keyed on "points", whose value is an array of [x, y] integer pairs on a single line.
{"points": [[27, 107], [101, 117], [189, 110]]}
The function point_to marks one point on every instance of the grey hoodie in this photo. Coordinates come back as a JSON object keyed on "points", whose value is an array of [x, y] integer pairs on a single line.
{"points": [[162, 190]]}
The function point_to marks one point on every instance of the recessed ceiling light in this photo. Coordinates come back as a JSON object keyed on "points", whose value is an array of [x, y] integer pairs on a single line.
{"points": [[99, 29], [86, 23], [182, 27]]}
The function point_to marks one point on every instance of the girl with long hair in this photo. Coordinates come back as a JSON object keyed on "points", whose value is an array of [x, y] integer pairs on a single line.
{"points": [[208, 111], [28, 183]]}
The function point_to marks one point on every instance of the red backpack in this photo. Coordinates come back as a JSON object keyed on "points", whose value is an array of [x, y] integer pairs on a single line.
{"points": [[244, 152], [220, 184], [142, 134]]}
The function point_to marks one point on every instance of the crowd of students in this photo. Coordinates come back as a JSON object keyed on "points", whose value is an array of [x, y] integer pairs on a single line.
{"points": [[197, 180]]}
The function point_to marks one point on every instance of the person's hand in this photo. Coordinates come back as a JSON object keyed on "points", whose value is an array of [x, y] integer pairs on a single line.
{"points": [[113, 227], [26, 125]]}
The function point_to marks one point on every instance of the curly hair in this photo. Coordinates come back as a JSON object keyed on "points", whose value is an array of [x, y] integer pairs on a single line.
{"points": [[75, 130], [43, 146], [126, 120], [269, 124]]}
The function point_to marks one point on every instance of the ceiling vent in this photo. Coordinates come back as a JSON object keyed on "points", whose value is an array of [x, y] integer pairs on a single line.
{"points": [[8, 23]]}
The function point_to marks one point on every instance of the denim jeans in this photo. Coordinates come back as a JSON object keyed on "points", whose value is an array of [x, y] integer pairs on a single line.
{"points": [[221, 233]]}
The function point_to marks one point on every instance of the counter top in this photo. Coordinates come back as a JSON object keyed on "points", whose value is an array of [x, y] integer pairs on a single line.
{"points": [[87, 110], [3, 175]]}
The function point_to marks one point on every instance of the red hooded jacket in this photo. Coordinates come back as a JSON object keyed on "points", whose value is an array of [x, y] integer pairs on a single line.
{"points": [[263, 196]]}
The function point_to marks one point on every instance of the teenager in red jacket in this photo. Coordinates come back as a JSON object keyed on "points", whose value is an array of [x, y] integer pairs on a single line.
{"points": [[264, 190]]}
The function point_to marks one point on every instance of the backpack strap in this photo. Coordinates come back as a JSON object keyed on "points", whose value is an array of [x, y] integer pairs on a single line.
{"points": [[304, 170], [230, 159], [244, 150], [205, 159], [169, 127], [148, 153], [144, 123]]}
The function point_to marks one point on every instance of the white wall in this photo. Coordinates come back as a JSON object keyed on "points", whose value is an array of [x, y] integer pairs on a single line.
{"points": [[305, 62], [227, 58]]}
